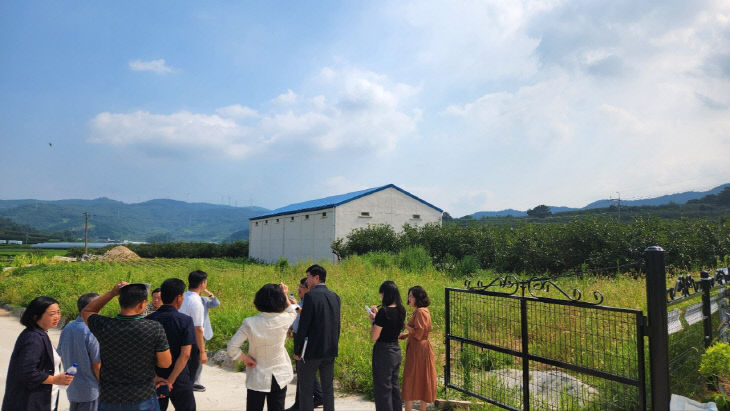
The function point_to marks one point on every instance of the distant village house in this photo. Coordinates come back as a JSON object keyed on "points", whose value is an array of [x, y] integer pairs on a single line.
{"points": [[306, 230]]}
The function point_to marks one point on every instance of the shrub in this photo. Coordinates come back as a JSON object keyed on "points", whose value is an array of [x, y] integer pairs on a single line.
{"points": [[716, 361], [414, 259], [467, 266], [380, 260]]}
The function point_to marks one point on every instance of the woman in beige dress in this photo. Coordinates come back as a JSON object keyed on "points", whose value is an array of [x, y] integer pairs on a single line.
{"points": [[419, 372]]}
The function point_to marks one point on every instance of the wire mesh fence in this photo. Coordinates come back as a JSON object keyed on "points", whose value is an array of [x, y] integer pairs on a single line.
{"points": [[691, 331], [521, 352]]}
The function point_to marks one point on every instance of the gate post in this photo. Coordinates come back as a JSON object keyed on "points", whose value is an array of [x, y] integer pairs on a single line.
{"points": [[657, 331], [706, 283], [447, 340]]}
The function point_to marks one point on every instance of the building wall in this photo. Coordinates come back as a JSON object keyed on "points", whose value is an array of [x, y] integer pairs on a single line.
{"points": [[389, 206], [296, 237]]}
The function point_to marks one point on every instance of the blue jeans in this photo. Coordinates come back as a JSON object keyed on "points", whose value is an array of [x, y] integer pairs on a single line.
{"points": [[150, 404]]}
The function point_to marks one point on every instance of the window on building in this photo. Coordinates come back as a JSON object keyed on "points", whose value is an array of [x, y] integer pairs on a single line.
{"points": [[306, 216], [365, 214], [324, 214], [292, 219], [266, 221], [416, 216], [257, 224], [277, 220]]}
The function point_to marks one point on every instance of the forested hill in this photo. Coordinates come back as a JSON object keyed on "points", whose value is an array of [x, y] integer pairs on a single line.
{"points": [[713, 206], [155, 220], [671, 200]]}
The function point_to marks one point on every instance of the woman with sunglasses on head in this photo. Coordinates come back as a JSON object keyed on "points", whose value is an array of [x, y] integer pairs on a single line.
{"points": [[34, 364], [269, 367], [419, 372], [387, 323]]}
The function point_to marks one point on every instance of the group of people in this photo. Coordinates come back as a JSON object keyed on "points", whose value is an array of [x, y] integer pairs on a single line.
{"points": [[151, 354], [145, 357]]}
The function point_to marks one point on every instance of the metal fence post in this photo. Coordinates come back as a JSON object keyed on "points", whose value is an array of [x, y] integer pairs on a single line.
{"points": [[706, 283], [447, 340], [656, 303], [525, 356]]}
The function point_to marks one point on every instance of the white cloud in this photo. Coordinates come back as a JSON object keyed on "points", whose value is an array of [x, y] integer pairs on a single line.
{"points": [[286, 99], [237, 111], [358, 111], [156, 66], [626, 99]]}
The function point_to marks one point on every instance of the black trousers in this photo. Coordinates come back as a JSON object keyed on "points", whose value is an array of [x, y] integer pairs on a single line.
{"points": [[307, 370], [194, 361], [386, 368], [274, 398], [316, 390], [182, 400]]}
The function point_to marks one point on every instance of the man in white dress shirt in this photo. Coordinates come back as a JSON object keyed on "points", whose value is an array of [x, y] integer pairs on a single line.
{"points": [[193, 306], [209, 302]]}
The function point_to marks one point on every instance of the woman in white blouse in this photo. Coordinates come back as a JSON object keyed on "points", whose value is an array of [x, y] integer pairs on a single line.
{"points": [[269, 367]]}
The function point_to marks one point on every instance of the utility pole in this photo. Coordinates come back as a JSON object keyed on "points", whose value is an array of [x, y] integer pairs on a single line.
{"points": [[618, 200], [86, 232]]}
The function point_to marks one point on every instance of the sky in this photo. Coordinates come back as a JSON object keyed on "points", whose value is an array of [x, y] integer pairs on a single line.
{"points": [[469, 105]]}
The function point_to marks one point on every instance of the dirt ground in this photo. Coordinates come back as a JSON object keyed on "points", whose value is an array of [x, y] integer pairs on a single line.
{"points": [[225, 390]]}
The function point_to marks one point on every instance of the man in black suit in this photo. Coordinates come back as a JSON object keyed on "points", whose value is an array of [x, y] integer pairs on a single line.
{"points": [[315, 344]]}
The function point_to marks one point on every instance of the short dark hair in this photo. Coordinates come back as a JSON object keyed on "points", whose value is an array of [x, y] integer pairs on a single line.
{"points": [[303, 281], [158, 290], [34, 311], [270, 299], [420, 296], [85, 299], [170, 289], [132, 294], [196, 278], [319, 271]]}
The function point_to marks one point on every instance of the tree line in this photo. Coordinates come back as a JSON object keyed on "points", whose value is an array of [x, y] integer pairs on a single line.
{"points": [[583, 243], [236, 249]]}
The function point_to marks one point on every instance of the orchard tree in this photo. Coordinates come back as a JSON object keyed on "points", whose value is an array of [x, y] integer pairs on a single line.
{"points": [[540, 211]]}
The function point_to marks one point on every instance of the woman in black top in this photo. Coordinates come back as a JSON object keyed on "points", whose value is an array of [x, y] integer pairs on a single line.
{"points": [[387, 323]]}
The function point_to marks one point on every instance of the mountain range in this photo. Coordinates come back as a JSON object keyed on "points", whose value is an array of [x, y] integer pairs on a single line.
{"points": [[171, 220], [154, 220], [678, 198]]}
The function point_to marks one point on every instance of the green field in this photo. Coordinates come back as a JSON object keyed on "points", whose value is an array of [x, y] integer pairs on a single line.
{"points": [[9, 252]]}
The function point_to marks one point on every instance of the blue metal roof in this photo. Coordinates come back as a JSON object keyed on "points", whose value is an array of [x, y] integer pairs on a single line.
{"points": [[333, 201]]}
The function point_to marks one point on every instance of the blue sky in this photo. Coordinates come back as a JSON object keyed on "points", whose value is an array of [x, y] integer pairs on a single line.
{"points": [[471, 105]]}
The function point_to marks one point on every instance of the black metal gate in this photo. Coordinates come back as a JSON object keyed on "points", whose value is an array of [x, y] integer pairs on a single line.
{"points": [[510, 345]]}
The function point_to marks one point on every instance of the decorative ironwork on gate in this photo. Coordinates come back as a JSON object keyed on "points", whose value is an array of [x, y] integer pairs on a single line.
{"points": [[511, 344], [531, 286]]}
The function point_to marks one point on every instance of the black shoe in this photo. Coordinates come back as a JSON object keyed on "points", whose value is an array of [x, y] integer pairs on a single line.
{"points": [[294, 407], [198, 388], [318, 403]]}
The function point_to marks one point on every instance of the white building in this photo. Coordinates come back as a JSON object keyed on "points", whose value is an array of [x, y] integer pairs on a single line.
{"points": [[306, 230]]}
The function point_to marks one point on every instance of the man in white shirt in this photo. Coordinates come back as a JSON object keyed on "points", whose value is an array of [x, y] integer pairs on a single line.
{"points": [[209, 302], [193, 306]]}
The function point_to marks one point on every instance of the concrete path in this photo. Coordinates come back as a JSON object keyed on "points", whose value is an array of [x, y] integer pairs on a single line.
{"points": [[225, 390]]}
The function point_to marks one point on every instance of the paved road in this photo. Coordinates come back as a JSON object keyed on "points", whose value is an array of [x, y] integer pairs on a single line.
{"points": [[225, 389]]}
